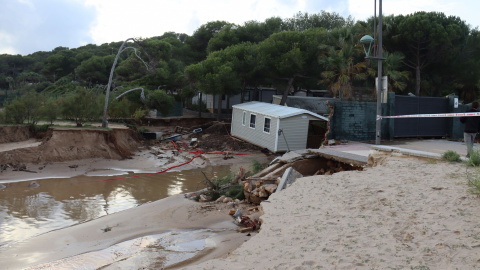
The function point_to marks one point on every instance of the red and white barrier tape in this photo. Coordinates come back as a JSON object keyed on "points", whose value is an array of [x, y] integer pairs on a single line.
{"points": [[467, 114]]}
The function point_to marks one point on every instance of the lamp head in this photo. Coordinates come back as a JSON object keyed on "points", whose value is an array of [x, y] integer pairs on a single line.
{"points": [[367, 42]]}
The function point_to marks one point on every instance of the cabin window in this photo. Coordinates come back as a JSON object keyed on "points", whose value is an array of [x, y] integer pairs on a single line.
{"points": [[266, 125], [253, 118], [244, 119]]}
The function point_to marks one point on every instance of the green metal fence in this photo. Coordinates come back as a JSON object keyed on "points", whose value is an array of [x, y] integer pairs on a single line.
{"points": [[7, 96]]}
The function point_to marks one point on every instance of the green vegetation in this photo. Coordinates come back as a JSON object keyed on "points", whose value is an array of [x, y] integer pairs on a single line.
{"points": [[257, 167], [306, 51], [474, 159], [37, 129], [451, 156], [227, 185], [473, 180], [475, 185], [235, 192]]}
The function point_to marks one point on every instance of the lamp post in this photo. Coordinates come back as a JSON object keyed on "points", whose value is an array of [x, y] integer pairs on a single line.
{"points": [[368, 41]]}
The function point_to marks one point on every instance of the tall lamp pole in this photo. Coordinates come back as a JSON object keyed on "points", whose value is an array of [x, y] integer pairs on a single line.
{"points": [[378, 129], [367, 42]]}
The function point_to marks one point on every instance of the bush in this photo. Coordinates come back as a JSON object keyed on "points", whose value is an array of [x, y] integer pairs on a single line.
{"points": [[118, 109], [160, 101], [15, 112], [474, 159], [143, 129], [257, 166], [474, 182], [214, 194], [235, 192], [26, 107], [81, 106], [37, 129], [50, 110], [451, 156], [139, 114]]}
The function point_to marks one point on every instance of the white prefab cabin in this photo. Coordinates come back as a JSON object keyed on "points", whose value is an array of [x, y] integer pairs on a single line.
{"points": [[275, 127]]}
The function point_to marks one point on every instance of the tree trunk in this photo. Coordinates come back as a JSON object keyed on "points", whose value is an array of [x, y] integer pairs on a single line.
{"points": [[242, 93], [417, 83], [285, 93], [219, 105], [199, 103]]}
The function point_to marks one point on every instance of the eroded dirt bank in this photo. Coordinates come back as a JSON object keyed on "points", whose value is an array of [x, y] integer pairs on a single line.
{"points": [[62, 144], [9, 134]]}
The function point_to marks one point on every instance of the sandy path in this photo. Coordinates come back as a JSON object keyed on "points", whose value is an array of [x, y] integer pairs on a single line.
{"points": [[17, 145], [406, 214]]}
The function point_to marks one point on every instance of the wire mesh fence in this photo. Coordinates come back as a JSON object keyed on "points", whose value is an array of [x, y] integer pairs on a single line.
{"points": [[7, 96]]}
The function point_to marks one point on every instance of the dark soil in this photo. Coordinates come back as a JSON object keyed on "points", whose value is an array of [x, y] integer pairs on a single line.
{"points": [[216, 137], [213, 137]]}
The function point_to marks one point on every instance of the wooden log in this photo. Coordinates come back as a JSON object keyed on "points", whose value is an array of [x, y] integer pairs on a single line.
{"points": [[262, 193], [247, 187], [279, 171], [270, 188], [267, 170], [261, 178]]}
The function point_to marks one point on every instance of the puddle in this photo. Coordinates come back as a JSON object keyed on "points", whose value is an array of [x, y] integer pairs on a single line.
{"points": [[149, 252], [57, 203]]}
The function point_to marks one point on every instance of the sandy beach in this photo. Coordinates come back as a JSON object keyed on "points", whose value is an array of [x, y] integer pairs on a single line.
{"points": [[404, 214]]}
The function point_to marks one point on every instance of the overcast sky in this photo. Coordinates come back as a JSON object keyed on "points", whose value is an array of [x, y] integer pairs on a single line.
{"points": [[27, 26]]}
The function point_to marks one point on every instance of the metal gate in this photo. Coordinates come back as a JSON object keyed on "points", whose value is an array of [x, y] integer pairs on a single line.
{"points": [[420, 127]]}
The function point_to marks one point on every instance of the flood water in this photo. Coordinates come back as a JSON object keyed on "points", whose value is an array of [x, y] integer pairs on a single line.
{"points": [[57, 203]]}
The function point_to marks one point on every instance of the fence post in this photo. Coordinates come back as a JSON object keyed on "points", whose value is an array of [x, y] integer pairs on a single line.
{"points": [[455, 127]]}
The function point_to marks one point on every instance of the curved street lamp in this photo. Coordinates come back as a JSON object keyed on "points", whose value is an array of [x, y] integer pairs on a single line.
{"points": [[107, 94]]}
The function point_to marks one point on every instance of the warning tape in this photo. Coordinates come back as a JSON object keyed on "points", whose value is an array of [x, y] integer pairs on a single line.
{"points": [[467, 114]]}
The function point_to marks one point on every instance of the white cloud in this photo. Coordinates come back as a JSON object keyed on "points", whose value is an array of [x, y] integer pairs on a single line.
{"points": [[43, 25], [5, 46], [28, 3], [363, 9], [117, 20]]}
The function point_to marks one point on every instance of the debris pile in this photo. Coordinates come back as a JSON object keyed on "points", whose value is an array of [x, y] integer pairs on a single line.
{"points": [[215, 136], [284, 170], [246, 222]]}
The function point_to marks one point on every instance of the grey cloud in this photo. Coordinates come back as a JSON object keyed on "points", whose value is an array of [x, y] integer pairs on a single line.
{"points": [[45, 25]]}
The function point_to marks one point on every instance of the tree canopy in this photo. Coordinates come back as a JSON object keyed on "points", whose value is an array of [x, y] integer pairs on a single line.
{"points": [[427, 53]]}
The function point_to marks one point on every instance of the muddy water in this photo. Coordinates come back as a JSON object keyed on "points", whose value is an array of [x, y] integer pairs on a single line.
{"points": [[57, 203]]}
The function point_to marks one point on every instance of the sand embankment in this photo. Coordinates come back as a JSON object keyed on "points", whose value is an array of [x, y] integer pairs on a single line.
{"points": [[62, 145], [404, 214]]}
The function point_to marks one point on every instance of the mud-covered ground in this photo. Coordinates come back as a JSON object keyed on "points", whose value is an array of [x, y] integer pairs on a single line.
{"points": [[66, 152]]}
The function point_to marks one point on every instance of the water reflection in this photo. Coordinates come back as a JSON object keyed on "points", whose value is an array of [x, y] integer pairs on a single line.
{"points": [[58, 203]]}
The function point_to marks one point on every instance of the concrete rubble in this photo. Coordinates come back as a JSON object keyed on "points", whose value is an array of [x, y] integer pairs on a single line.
{"points": [[279, 175], [284, 170]]}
